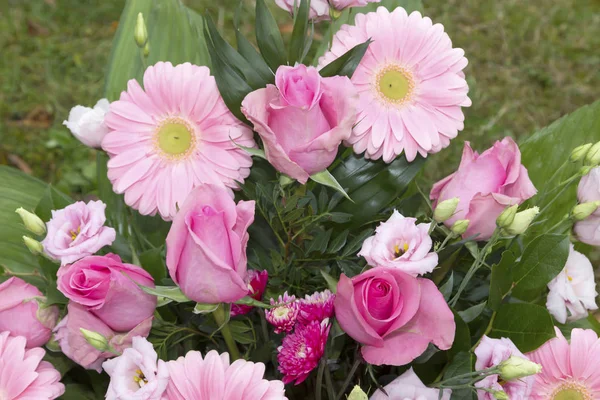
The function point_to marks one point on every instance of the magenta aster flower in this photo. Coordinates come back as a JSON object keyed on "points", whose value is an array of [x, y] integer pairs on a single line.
{"points": [[171, 136], [301, 351], [283, 318], [410, 82], [315, 307], [257, 283]]}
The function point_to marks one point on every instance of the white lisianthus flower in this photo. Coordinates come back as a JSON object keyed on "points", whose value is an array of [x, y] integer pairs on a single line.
{"points": [[573, 291], [87, 124]]}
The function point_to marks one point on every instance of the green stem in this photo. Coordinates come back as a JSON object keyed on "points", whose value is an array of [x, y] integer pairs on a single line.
{"points": [[319, 386], [487, 330], [348, 379], [221, 315], [445, 242]]}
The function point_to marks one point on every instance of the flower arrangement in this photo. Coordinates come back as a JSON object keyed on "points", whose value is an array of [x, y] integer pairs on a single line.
{"points": [[262, 228]]}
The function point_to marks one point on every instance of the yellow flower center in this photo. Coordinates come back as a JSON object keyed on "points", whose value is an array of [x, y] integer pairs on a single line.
{"points": [[571, 390], [399, 252], [395, 84], [140, 378], [281, 312], [175, 138], [74, 233]]}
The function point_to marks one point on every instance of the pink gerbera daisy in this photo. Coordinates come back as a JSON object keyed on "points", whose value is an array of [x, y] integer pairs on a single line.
{"points": [[410, 82], [23, 374], [569, 371], [172, 136]]}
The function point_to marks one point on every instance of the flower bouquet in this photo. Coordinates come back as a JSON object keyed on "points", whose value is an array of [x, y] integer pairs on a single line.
{"points": [[264, 226]]}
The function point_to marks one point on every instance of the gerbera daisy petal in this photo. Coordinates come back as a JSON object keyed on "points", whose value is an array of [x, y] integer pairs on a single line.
{"points": [[408, 72], [172, 136]]}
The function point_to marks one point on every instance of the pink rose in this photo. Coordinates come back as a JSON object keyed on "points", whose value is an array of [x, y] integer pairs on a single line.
{"points": [[588, 230], [319, 9], [206, 246], [394, 315], [485, 184], [303, 119], [107, 288], [257, 283], [77, 231], [76, 347], [401, 243], [21, 315], [409, 386], [490, 353]]}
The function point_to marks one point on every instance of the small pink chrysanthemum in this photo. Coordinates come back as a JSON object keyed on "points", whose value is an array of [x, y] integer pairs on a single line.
{"points": [[569, 371], [23, 374], [410, 82], [172, 136], [283, 318], [315, 307], [301, 351]]}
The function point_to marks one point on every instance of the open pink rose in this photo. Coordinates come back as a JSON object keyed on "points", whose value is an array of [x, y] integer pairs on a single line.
{"points": [[588, 230], [107, 288], [75, 346], [303, 119], [394, 315], [206, 246], [77, 231], [21, 315], [485, 184], [401, 243]]}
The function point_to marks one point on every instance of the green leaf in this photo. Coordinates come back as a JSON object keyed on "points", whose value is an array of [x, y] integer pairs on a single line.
{"points": [[542, 260], [76, 391], [347, 63], [331, 281], [325, 178], [462, 337], [501, 279], [252, 151], [373, 185], [473, 312], [153, 261], [338, 242], [205, 308], [52, 200], [446, 288], [527, 325], [169, 292], [18, 190], [298, 40], [257, 62], [555, 143], [268, 37], [462, 363]]}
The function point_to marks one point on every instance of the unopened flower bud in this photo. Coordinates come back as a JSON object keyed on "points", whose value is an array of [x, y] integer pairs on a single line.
{"points": [[357, 394], [95, 339], [507, 216], [522, 221], [140, 33], [593, 155], [584, 210], [32, 222], [517, 367], [580, 152], [334, 14], [445, 209], [33, 245], [147, 49], [53, 345], [500, 395], [460, 226]]}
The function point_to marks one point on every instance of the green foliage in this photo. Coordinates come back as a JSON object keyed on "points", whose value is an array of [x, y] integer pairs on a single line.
{"points": [[268, 37], [347, 63], [298, 42], [527, 325], [461, 364]]}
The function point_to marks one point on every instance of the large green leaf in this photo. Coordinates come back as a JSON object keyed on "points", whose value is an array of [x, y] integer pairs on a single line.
{"points": [[373, 185], [527, 325], [268, 37], [501, 280], [17, 190], [545, 151]]}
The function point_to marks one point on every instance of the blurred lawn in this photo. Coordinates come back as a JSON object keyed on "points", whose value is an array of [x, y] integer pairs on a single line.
{"points": [[530, 63]]}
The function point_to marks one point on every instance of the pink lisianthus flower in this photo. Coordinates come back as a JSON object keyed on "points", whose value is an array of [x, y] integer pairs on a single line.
{"points": [[490, 353], [302, 119], [77, 231], [401, 243], [74, 345], [21, 314], [215, 378], [257, 283], [108, 288], [409, 386], [23, 374], [283, 317], [137, 374], [301, 351], [588, 230], [569, 371], [316, 307], [485, 185], [393, 315]]}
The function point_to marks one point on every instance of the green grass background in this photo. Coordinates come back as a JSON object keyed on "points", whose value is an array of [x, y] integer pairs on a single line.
{"points": [[530, 62]]}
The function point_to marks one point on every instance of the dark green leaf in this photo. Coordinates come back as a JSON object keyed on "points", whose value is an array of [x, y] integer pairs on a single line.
{"points": [[325, 178], [347, 63], [169, 292], [338, 242], [52, 200], [527, 325], [542, 260], [462, 363], [471, 313], [501, 280], [331, 281], [462, 337], [446, 288], [268, 37], [153, 261], [298, 40], [356, 243], [78, 392], [247, 50]]}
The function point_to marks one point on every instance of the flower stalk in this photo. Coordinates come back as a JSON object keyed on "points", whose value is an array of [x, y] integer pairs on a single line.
{"points": [[221, 316]]}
